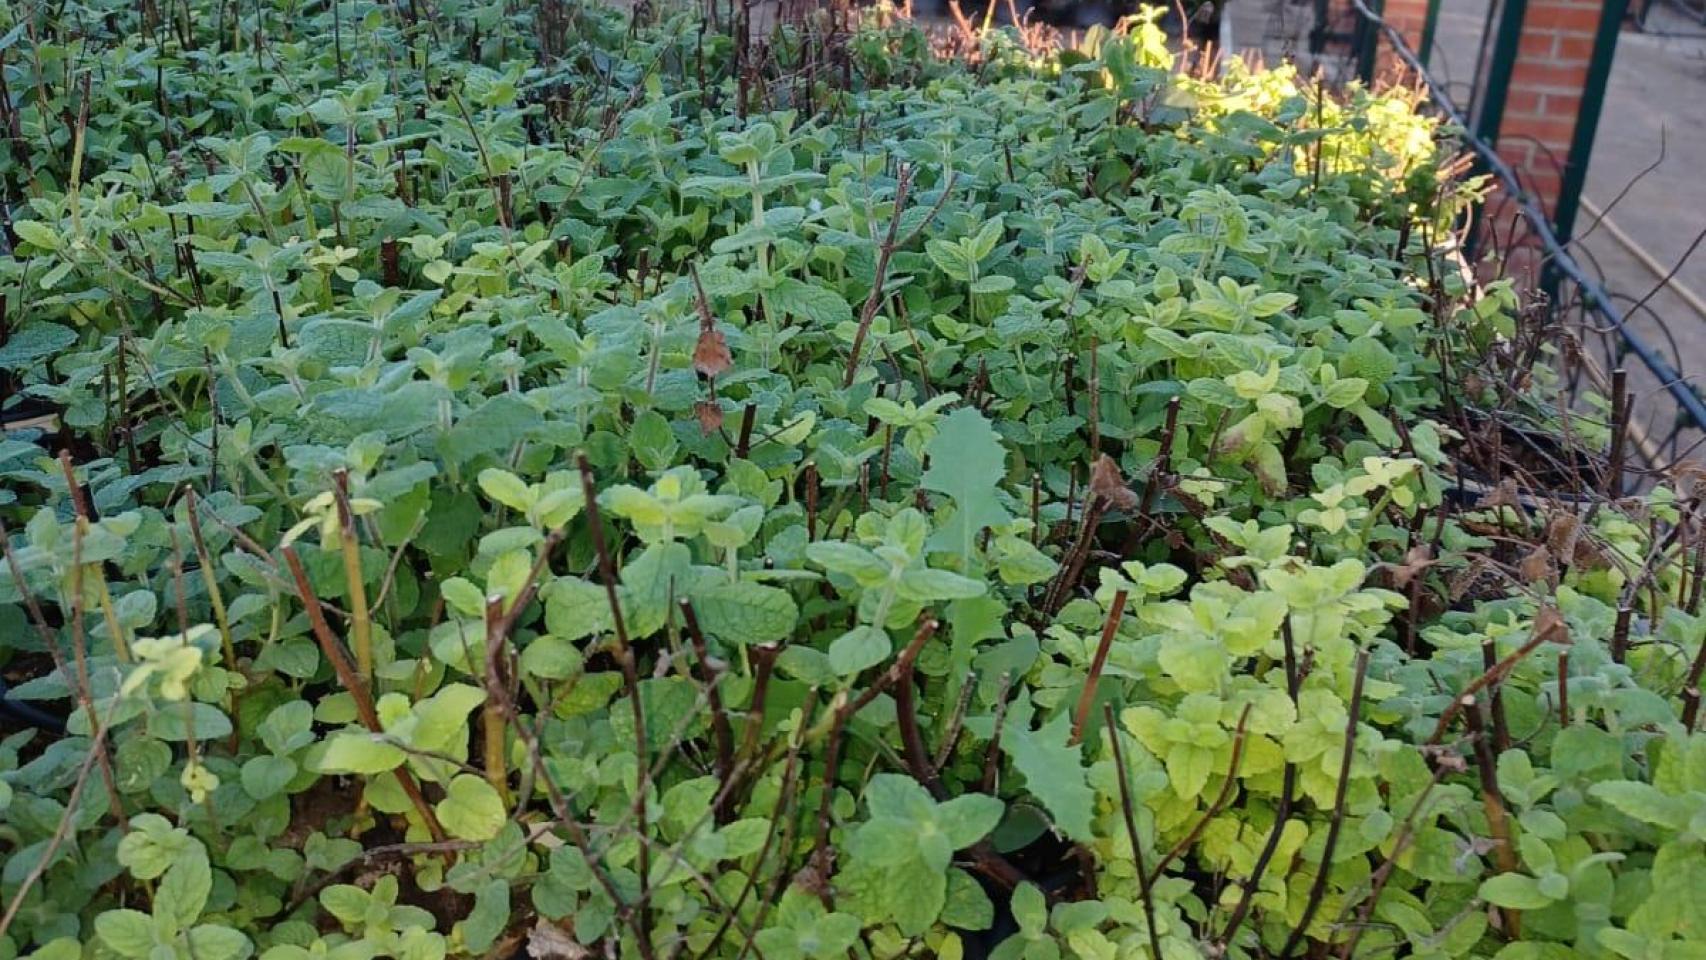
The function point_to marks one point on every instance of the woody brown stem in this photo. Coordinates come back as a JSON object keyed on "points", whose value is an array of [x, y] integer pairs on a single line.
{"points": [[1144, 889], [903, 187], [1318, 889], [361, 624], [352, 682], [721, 731], [630, 682], [1111, 626]]}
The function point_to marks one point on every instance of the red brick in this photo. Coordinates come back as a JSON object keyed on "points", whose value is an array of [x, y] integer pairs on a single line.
{"points": [[1525, 103], [1542, 181], [1537, 44], [1573, 47], [1556, 16], [1552, 131], [1516, 153], [1545, 77], [1560, 104]]}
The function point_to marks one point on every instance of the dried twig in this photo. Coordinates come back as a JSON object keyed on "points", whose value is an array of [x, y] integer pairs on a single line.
{"points": [[1548, 625], [1282, 812], [1100, 661], [1227, 786], [630, 681], [1318, 889], [721, 731], [884, 251], [80, 688], [357, 688], [1144, 879]]}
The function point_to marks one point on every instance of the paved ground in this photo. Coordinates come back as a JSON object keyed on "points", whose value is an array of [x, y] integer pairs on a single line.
{"points": [[1657, 95]]}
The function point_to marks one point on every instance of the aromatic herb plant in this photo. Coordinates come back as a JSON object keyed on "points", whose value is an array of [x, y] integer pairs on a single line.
{"points": [[535, 478]]}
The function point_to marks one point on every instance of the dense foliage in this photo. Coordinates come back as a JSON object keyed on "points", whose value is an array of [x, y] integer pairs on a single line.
{"points": [[535, 480]]}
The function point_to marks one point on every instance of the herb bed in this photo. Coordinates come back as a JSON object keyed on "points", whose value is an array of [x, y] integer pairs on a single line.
{"points": [[533, 479]]}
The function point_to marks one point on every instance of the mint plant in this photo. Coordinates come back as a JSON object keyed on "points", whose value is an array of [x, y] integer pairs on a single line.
{"points": [[538, 478]]}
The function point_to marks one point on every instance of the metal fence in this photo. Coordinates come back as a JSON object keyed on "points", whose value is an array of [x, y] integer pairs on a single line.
{"points": [[1609, 345]]}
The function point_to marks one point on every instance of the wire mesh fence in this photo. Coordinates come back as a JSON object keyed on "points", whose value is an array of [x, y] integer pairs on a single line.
{"points": [[1622, 366]]}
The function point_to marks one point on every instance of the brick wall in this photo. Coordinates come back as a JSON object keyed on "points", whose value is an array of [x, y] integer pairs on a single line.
{"points": [[1408, 17], [1546, 90]]}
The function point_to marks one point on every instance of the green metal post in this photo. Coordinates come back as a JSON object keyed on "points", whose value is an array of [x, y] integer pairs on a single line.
{"points": [[1490, 110], [1368, 41], [1429, 24], [1587, 121], [1318, 36]]}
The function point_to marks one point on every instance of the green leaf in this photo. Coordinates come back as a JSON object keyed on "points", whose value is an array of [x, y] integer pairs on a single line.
{"points": [[213, 942], [505, 487], [831, 935], [885, 842], [267, 776], [1645, 803], [551, 657], [858, 649], [1188, 768], [983, 244], [1030, 909], [490, 914], [966, 463], [576, 608], [818, 305], [900, 797], [1515, 891], [969, 818], [840, 557], [968, 907], [153, 845], [950, 258], [34, 342], [915, 895], [184, 890], [288, 727], [650, 581], [1195, 663], [780, 942], [442, 719], [1054, 773], [345, 901], [178, 722], [128, 933], [652, 441], [37, 234], [672, 711], [928, 584], [471, 809], [746, 613], [359, 753], [497, 424], [1345, 391]]}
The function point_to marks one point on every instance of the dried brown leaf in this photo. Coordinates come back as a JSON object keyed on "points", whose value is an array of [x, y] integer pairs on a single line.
{"points": [[1416, 562], [547, 941], [1550, 627], [1106, 482], [710, 414], [1503, 495], [711, 355], [1538, 567], [1561, 531], [1690, 478]]}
